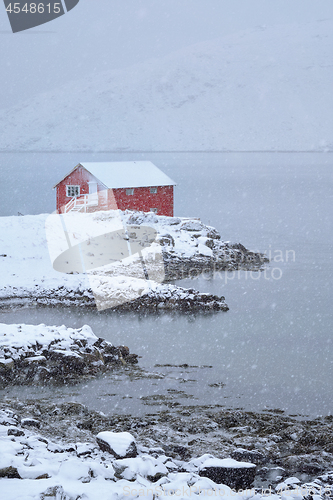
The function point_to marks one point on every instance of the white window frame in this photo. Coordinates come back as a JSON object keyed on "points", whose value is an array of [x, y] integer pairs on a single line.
{"points": [[153, 190], [130, 191], [69, 189]]}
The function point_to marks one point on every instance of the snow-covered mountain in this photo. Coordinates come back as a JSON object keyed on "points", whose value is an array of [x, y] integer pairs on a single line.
{"points": [[263, 89]]}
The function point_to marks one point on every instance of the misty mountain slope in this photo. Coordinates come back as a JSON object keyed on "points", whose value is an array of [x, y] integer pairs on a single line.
{"points": [[269, 88]]}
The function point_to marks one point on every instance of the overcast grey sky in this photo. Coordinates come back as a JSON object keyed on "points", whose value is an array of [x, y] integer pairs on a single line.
{"points": [[99, 35]]}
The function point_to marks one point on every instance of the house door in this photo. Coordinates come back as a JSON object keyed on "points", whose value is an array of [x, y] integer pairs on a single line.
{"points": [[93, 196]]}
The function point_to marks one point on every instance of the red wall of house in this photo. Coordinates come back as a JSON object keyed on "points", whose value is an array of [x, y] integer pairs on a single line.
{"points": [[142, 199]]}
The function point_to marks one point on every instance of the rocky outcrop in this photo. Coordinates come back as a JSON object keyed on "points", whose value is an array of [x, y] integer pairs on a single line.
{"points": [[183, 248], [51, 355], [224, 256], [171, 298], [162, 297], [191, 248], [159, 297]]}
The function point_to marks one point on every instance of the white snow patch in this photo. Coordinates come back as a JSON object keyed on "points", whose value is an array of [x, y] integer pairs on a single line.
{"points": [[226, 463], [24, 336]]}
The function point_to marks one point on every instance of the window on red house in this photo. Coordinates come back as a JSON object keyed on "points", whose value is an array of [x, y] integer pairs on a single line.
{"points": [[72, 191]]}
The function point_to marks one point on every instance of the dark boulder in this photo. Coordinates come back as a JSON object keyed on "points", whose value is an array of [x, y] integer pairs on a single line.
{"points": [[10, 472], [14, 431], [238, 475], [30, 422]]}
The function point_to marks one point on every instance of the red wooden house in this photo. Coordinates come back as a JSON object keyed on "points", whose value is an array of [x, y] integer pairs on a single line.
{"points": [[133, 185]]}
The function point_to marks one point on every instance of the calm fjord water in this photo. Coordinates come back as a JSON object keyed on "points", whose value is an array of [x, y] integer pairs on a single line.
{"points": [[273, 349]]}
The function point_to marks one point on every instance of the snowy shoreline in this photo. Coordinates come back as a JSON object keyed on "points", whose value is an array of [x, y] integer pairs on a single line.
{"points": [[67, 451], [30, 244], [49, 452]]}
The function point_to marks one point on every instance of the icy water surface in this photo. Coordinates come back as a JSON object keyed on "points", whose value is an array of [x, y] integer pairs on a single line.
{"points": [[274, 347]]}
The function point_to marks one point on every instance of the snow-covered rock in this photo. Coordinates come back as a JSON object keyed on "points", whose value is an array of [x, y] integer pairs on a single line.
{"points": [[229, 471], [144, 466], [119, 444]]}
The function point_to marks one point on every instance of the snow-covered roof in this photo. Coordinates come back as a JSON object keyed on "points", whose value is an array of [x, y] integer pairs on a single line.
{"points": [[128, 174]]}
